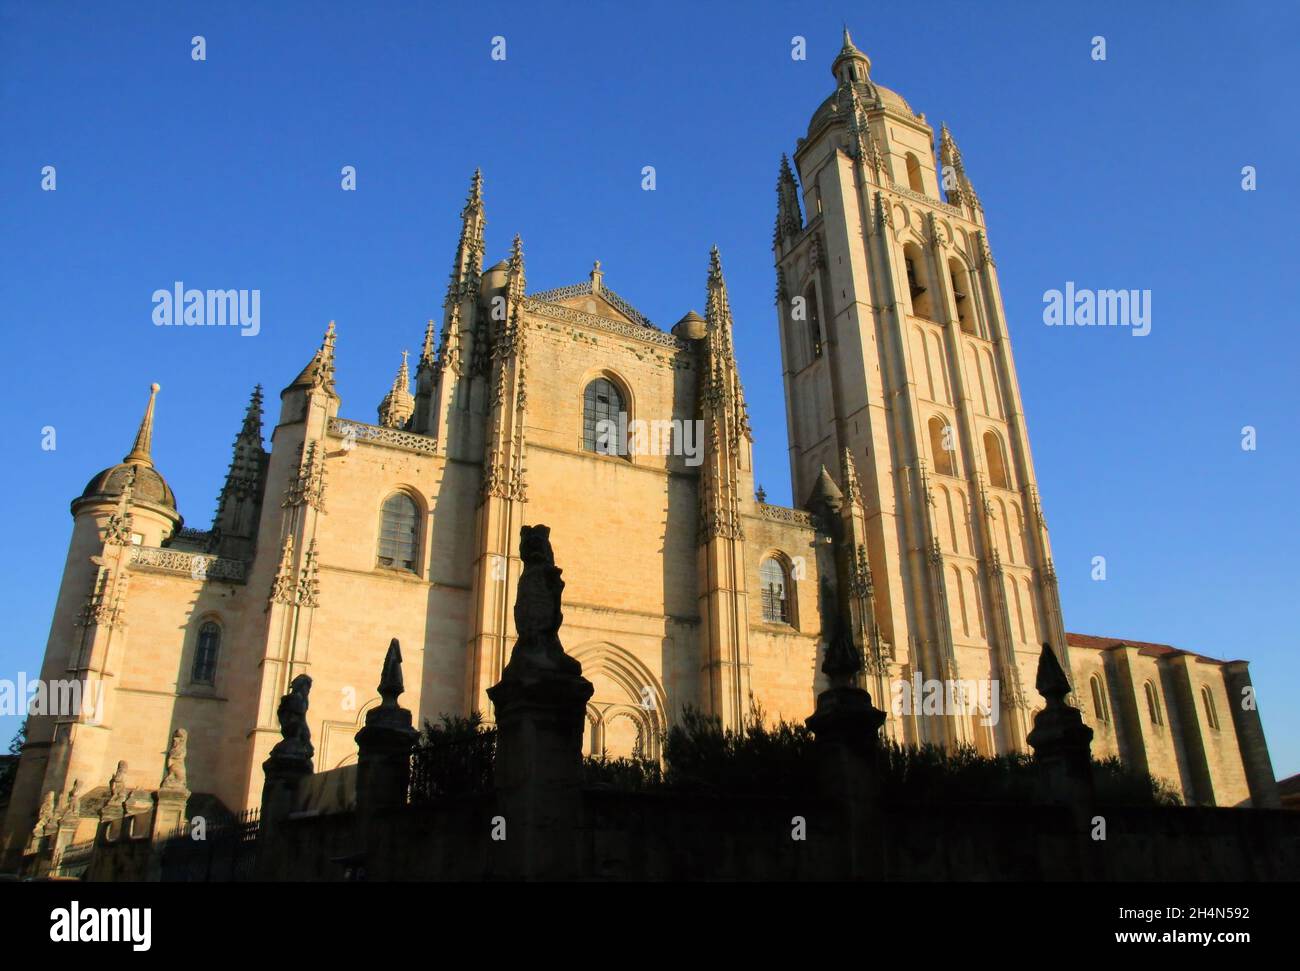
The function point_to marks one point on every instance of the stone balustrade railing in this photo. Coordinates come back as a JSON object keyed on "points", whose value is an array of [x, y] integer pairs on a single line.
{"points": [[198, 566], [355, 431], [781, 514]]}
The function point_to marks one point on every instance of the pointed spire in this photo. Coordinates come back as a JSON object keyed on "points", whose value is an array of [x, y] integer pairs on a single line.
{"points": [[252, 428], [139, 454], [516, 269], [427, 359], [850, 64], [826, 489], [468, 264], [475, 197], [319, 372], [789, 217], [956, 184], [849, 472], [717, 309], [723, 385], [396, 408], [236, 515]]}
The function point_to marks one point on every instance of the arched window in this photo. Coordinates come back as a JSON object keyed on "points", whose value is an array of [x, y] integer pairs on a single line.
{"points": [[206, 649], [917, 281], [1099, 700], [398, 538], [1211, 713], [771, 575], [1153, 703], [995, 461], [602, 404], [961, 294], [914, 174], [814, 320], [942, 446]]}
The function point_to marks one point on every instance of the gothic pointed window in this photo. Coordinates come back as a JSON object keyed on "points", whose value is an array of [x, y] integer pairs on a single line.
{"points": [[917, 281], [1211, 713], [776, 607], [1153, 703], [995, 461], [398, 536], [961, 295], [914, 174], [206, 649], [943, 446], [602, 406], [1099, 707]]}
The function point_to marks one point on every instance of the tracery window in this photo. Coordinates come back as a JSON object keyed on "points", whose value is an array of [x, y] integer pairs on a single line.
{"points": [[772, 581], [602, 404], [206, 650], [398, 540]]}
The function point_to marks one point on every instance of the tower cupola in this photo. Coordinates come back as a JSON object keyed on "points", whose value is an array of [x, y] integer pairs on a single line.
{"points": [[136, 470], [851, 66]]}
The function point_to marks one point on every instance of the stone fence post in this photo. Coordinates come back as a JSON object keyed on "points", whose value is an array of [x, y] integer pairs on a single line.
{"points": [[540, 705], [286, 768], [383, 761], [846, 731], [1062, 744]]}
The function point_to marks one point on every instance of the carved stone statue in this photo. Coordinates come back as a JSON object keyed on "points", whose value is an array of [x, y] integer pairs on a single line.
{"points": [[538, 652], [117, 785], [292, 713], [174, 778], [46, 814], [72, 802]]}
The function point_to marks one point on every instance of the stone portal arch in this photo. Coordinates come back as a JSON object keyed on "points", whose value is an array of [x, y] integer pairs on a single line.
{"points": [[627, 715]]}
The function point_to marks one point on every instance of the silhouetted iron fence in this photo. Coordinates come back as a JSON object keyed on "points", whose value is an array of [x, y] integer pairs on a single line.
{"points": [[226, 853]]}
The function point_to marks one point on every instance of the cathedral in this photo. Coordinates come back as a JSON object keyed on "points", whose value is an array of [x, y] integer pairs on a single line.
{"points": [[918, 530]]}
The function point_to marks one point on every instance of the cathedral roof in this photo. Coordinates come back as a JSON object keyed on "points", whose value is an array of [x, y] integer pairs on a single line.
{"points": [[594, 287], [136, 468], [1148, 648]]}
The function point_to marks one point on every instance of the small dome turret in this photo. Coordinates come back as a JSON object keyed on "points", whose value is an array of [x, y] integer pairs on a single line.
{"points": [[692, 327], [146, 482]]}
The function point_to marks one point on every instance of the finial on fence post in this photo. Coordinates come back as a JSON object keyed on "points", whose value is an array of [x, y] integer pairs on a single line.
{"points": [[383, 765], [1062, 743]]}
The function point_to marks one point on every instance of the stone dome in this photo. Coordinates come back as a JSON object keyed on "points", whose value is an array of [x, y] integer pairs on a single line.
{"points": [[874, 96], [149, 485], [852, 69]]}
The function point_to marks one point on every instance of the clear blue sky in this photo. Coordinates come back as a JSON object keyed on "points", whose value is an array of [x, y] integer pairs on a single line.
{"points": [[225, 173]]}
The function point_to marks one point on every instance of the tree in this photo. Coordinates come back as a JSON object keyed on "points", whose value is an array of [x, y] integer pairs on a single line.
{"points": [[9, 769]]}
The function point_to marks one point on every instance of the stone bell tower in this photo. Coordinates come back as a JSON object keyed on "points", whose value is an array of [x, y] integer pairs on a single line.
{"points": [[897, 360]]}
